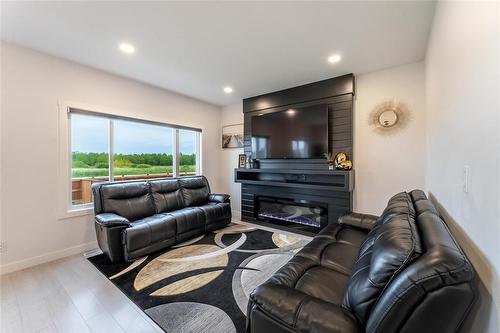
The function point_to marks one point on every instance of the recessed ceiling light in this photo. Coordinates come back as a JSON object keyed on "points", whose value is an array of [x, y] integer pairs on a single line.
{"points": [[127, 48], [228, 90], [334, 58], [291, 112]]}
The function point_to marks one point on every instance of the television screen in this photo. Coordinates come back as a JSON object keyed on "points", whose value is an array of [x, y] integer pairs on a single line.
{"points": [[293, 133]]}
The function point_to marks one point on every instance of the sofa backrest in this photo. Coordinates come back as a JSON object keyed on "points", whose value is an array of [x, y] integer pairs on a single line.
{"points": [[389, 247], [138, 199], [167, 195], [131, 200], [435, 290], [195, 190]]}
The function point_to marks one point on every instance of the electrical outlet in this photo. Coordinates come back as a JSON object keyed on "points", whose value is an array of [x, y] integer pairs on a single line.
{"points": [[3, 246], [466, 178]]}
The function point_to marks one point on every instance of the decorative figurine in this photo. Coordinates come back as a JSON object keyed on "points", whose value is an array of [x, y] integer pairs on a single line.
{"points": [[341, 162]]}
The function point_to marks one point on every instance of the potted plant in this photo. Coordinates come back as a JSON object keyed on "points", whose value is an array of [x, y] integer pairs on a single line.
{"points": [[331, 160]]}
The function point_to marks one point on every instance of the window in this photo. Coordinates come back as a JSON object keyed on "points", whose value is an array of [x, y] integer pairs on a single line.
{"points": [[138, 150], [142, 150], [188, 148], [89, 156]]}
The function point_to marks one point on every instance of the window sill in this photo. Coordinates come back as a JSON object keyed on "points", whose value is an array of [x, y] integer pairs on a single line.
{"points": [[76, 212]]}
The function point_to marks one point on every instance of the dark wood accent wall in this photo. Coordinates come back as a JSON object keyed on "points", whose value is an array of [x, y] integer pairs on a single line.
{"points": [[340, 125], [338, 94], [337, 86]]}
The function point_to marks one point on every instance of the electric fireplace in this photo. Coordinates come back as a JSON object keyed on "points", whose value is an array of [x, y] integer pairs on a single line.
{"points": [[288, 211]]}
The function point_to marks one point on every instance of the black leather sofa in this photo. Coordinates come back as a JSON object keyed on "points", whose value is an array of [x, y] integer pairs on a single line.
{"points": [[400, 272], [133, 219]]}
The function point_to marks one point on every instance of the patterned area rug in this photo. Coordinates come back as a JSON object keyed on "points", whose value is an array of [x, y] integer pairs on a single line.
{"points": [[203, 285]]}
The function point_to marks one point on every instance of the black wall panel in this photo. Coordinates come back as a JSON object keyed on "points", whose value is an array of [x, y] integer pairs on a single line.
{"points": [[338, 94]]}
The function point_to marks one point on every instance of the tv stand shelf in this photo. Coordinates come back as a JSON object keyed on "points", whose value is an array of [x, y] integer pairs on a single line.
{"points": [[333, 180]]}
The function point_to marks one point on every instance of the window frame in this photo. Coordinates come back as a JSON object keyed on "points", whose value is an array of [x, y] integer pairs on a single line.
{"points": [[68, 209]]}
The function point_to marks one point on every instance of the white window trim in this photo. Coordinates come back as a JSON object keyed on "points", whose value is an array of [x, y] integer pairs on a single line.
{"points": [[198, 152], [176, 160], [65, 209]]}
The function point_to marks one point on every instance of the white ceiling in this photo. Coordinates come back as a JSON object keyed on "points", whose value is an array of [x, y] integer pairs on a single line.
{"points": [[197, 48]]}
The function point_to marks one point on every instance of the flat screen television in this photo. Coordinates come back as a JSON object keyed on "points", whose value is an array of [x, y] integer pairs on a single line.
{"points": [[292, 133]]}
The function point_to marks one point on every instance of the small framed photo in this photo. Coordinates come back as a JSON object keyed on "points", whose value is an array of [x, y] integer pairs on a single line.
{"points": [[232, 136], [242, 160]]}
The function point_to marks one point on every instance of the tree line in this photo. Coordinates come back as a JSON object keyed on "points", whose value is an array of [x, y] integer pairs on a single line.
{"points": [[100, 160]]}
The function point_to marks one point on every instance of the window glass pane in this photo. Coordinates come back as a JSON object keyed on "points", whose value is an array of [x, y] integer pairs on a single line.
{"points": [[187, 152], [141, 151], [89, 155]]}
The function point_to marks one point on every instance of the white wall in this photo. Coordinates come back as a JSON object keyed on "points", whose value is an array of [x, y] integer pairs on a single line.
{"points": [[32, 86], [388, 164], [463, 128], [232, 114]]}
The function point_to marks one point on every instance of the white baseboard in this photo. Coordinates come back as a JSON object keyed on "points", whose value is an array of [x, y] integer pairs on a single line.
{"points": [[51, 256]]}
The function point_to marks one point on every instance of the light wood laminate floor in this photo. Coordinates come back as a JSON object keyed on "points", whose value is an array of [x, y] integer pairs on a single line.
{"points": [[68, 295]]}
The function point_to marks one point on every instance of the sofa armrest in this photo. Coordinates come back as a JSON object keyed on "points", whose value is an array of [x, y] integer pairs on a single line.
{"points": [[362, 221], [111, 220], [299, 311], [219, 198]]}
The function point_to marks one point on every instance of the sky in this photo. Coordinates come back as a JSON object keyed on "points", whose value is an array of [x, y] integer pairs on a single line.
{"points": [[90, 134]]}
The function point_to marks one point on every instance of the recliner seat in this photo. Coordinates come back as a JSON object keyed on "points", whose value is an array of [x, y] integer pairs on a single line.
{"points": [[136, 218], [400, 272]]}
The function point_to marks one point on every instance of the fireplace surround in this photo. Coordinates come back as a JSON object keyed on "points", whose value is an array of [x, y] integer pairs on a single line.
{"points": [[304, 187], [299, 186]]}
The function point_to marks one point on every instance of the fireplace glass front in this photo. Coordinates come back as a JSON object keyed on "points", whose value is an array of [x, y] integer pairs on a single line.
{"points": [[286, 210]]}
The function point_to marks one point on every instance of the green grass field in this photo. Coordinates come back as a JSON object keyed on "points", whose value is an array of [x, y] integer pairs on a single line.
{"points": [[152, 170]]}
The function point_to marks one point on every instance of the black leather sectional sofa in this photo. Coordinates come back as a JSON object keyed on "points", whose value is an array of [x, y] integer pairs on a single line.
{"points": [[133, 219], [400, 272]]}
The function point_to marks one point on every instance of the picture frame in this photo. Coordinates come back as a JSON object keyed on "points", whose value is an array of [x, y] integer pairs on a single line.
{"points": [[242, 160], [232, 136]]}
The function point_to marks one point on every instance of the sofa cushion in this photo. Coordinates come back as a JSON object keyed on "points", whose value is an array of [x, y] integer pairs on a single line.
{"points": [[315, 279], [421, 203], [328, 255], [167, 195], [152, 229], [216, 212], [291, 310], [389, 247], [130, 200], [188, 219], [195, 190]]}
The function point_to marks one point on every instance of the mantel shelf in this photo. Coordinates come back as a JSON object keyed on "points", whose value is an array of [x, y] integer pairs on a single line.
{"points": [[292, 184], [296, 171], [330, 180]]}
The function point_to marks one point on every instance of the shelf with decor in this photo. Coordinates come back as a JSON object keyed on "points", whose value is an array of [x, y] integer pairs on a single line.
{"points": [[337, 180]]}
